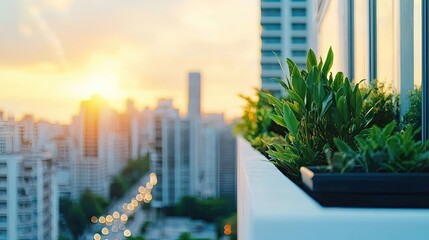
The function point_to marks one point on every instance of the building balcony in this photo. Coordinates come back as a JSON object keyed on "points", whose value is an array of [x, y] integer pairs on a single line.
{"points": [[270, 206]]}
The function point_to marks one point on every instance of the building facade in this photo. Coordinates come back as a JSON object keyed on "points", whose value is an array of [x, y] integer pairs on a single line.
{"points": [[287, 31]]}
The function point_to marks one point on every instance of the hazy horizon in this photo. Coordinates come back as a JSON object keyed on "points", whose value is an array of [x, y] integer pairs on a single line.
{"points": [[53, 54]]}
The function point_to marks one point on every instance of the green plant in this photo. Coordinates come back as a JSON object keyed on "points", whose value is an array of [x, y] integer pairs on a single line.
{"points": [[414, 115], [256, 126], [385, 103], [318, 108], [383, 150]]}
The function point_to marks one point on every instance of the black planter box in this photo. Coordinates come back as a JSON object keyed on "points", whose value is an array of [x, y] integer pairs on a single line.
{"points": [[387, 190]]}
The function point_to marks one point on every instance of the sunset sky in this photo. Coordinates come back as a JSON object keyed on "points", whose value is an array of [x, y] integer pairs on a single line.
{"points": [[55, 53]]}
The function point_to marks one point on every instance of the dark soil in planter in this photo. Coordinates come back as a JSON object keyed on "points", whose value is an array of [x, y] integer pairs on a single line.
{"points": [[385, 190]]}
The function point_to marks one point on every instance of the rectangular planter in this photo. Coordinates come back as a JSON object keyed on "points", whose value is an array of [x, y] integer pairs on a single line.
{"points": [[389, 190], [270, 206]]}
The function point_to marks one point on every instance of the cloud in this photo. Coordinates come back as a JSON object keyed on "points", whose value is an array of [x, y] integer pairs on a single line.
{"points": [[48, 33]]}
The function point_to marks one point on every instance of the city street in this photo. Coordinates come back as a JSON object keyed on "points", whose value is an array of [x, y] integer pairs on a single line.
{"points": [[133, 224]]}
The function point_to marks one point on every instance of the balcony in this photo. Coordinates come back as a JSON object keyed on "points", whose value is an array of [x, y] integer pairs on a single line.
{"points": [[272, 207]]}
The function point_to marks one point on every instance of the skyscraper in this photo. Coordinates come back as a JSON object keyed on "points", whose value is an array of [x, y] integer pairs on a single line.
{"points": [[287, 29], [194, 95]]}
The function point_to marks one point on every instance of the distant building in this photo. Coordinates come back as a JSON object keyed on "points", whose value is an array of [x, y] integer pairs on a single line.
{"points": [[187, 153], [288, 30], [28, 196], [102, 146], [194, 95]]}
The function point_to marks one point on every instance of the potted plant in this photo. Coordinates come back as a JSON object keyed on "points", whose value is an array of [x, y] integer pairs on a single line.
{"points": [[389, 169], [323, 113]]}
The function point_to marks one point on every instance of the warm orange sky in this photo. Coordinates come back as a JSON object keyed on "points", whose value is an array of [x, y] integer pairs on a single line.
{"points": [[54, 53]]}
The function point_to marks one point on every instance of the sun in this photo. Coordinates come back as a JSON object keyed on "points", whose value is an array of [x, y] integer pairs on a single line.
{"points": [[104, 84]]}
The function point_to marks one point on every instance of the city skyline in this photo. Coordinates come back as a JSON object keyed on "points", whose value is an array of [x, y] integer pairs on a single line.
{"points": [[57, 53]]}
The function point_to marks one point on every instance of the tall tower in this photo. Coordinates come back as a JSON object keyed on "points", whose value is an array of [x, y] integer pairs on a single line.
{"points": [[194, 95], [287, 30]]}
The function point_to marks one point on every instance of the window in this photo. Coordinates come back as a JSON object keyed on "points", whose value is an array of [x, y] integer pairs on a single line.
{"points": [[271, 12], [269, 80], [271, 40], [387, 45], [299, 0], [361, 38], [299, 40], [270, 66], [271, 0], [299, 26], [271, 26], [270, 53], [299, 12], [299, 53]]}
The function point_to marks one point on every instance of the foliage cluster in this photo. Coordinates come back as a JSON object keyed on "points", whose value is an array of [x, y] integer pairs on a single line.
{"points": [[383, 150], [414, 115], [134, 170], [323, 111], [318, 108], [204, 209], [77, 215], [256, 126], [385, 104]]}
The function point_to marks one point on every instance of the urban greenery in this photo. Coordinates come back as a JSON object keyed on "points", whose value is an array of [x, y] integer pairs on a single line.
{"points": [[77, 215], [383, 150], [318, 107], [130, 175], [327, 120], [385, 104], [209, 210], [414, 115], [256, 126]]}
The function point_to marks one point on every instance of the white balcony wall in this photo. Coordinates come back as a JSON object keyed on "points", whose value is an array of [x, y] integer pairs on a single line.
{"points": [[270, 206]]}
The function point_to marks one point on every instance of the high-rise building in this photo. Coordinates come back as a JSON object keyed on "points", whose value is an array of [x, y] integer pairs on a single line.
{"points": [[194, 95], [186, 154], [28, 189], [165, 155], [288, 31]]}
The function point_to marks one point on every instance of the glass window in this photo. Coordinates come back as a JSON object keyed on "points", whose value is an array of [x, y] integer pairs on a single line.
{"points": [[271, 26], [387, 43], [271, 12], [299, 12], [269, 80], [299, 40], [299, 53], [361, 39], [418, 43], [270, 53], [271, 40], [299, 26], [270, 66]]}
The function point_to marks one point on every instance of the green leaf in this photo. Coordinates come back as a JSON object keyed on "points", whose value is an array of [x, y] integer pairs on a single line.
{"points": [[328, 62], [343, 146], [281, 83], [293, 68], [295, 97], [358, 101], [299, 86], [342, 107], [271, 99], [290, 120], [320, 64], [327, 102], [277, 119], [311, 60], [338, 81]]}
